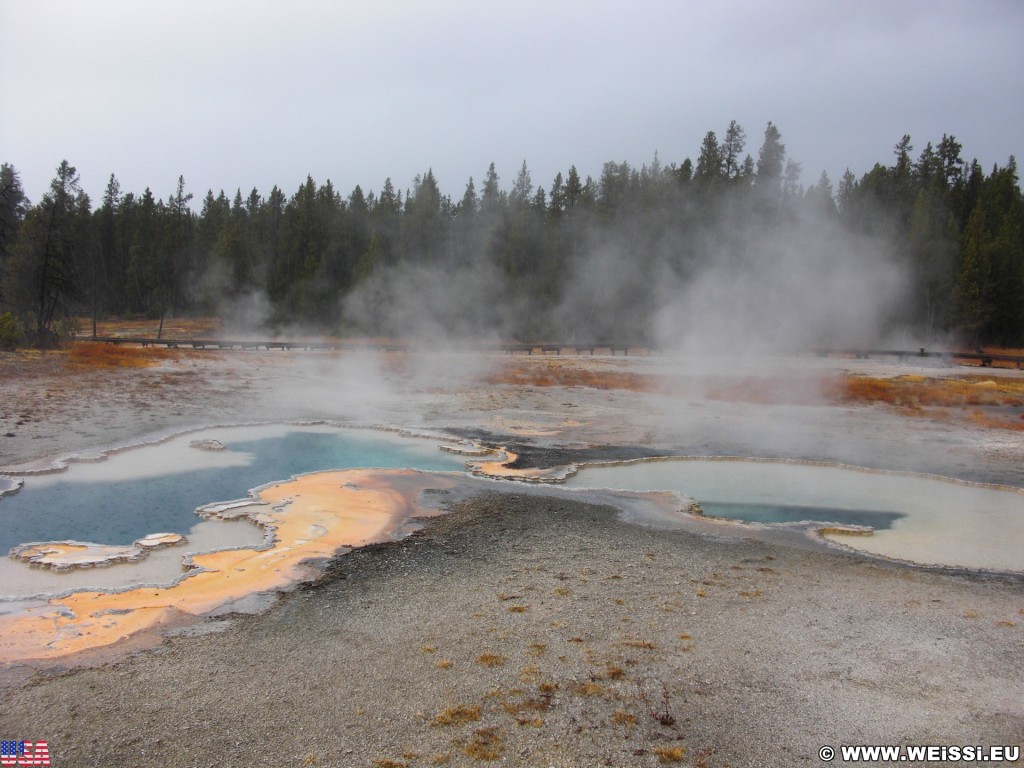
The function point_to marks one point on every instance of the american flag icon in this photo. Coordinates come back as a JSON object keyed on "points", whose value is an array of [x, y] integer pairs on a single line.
{"points": [[21, 753]]}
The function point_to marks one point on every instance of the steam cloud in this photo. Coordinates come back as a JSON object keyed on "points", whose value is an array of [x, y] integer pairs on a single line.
{"points": [[734, 288]]}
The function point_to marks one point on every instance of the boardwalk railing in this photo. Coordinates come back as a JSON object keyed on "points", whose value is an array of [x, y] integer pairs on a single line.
{"points": [[372, 346], [983, 359]]}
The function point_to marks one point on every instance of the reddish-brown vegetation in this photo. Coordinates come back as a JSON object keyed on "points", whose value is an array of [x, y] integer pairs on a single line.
{"points": [[919, 391], [89, 355], [987, 402], [558, 374]]}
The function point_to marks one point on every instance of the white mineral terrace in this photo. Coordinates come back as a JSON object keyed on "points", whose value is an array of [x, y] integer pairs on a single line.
{"points": [[944, 522], [66, 555]]}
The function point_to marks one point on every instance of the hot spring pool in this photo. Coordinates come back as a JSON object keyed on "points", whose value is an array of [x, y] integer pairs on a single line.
{"points": [[924, 519], [158, 487]]}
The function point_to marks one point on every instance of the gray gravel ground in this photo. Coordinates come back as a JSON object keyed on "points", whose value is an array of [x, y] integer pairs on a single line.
{"points": [[545, 632]]}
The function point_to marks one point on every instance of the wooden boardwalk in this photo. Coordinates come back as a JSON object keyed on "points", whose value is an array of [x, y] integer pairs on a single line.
{"points": [[510, 348], [982, 359]]}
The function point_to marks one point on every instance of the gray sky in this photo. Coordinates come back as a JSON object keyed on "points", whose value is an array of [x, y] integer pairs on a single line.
{"points": [[243, 93]]}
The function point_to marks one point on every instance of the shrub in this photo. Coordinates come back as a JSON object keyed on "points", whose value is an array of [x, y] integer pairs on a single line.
{"points": [[11, 333]]}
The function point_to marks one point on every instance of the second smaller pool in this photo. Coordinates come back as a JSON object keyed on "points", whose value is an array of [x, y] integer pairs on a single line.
{"points": [[927, 520]]}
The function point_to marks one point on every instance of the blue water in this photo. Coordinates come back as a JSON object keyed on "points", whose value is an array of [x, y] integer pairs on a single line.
{"points": [[786, 513], [120, 512]]}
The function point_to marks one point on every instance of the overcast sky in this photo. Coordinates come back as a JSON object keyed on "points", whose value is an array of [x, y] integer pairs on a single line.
{"points": [[242, 94]]}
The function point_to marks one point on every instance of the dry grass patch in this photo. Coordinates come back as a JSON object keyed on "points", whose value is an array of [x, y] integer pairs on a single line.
{"points": [[529, 674], [490, 659], [524, 712], [621, 717], [642, 644], [589, 689], [613, 671], [560, 374], [668, 755], [486, 744], [93, 355], [949, 398], [457, 715]]}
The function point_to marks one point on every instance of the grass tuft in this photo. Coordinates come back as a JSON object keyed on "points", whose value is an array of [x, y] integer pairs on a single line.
{"points": [[490, 659], [613, 671], [589, 689], [642, 644], [621, 717], [486, 744], [668, 755], [457, 715]]}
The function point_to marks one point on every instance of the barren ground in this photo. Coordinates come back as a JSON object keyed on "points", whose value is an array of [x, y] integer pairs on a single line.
{"points": [[545, 632]]}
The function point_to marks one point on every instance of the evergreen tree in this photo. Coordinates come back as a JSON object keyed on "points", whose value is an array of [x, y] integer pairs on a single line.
{"points": [[971, 300], [770, 159], [45, 265], [709, 163], [491, 198], [522, 188], [556, 198], [732, 150], [107, 276], [13, 207]]}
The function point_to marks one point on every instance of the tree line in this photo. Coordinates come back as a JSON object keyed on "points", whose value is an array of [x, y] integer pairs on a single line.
{"points": [[329, 263]]}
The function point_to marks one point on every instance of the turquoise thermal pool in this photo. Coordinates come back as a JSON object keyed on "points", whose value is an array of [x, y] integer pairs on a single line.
{"points": [[157, 487], [923, 519]]}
